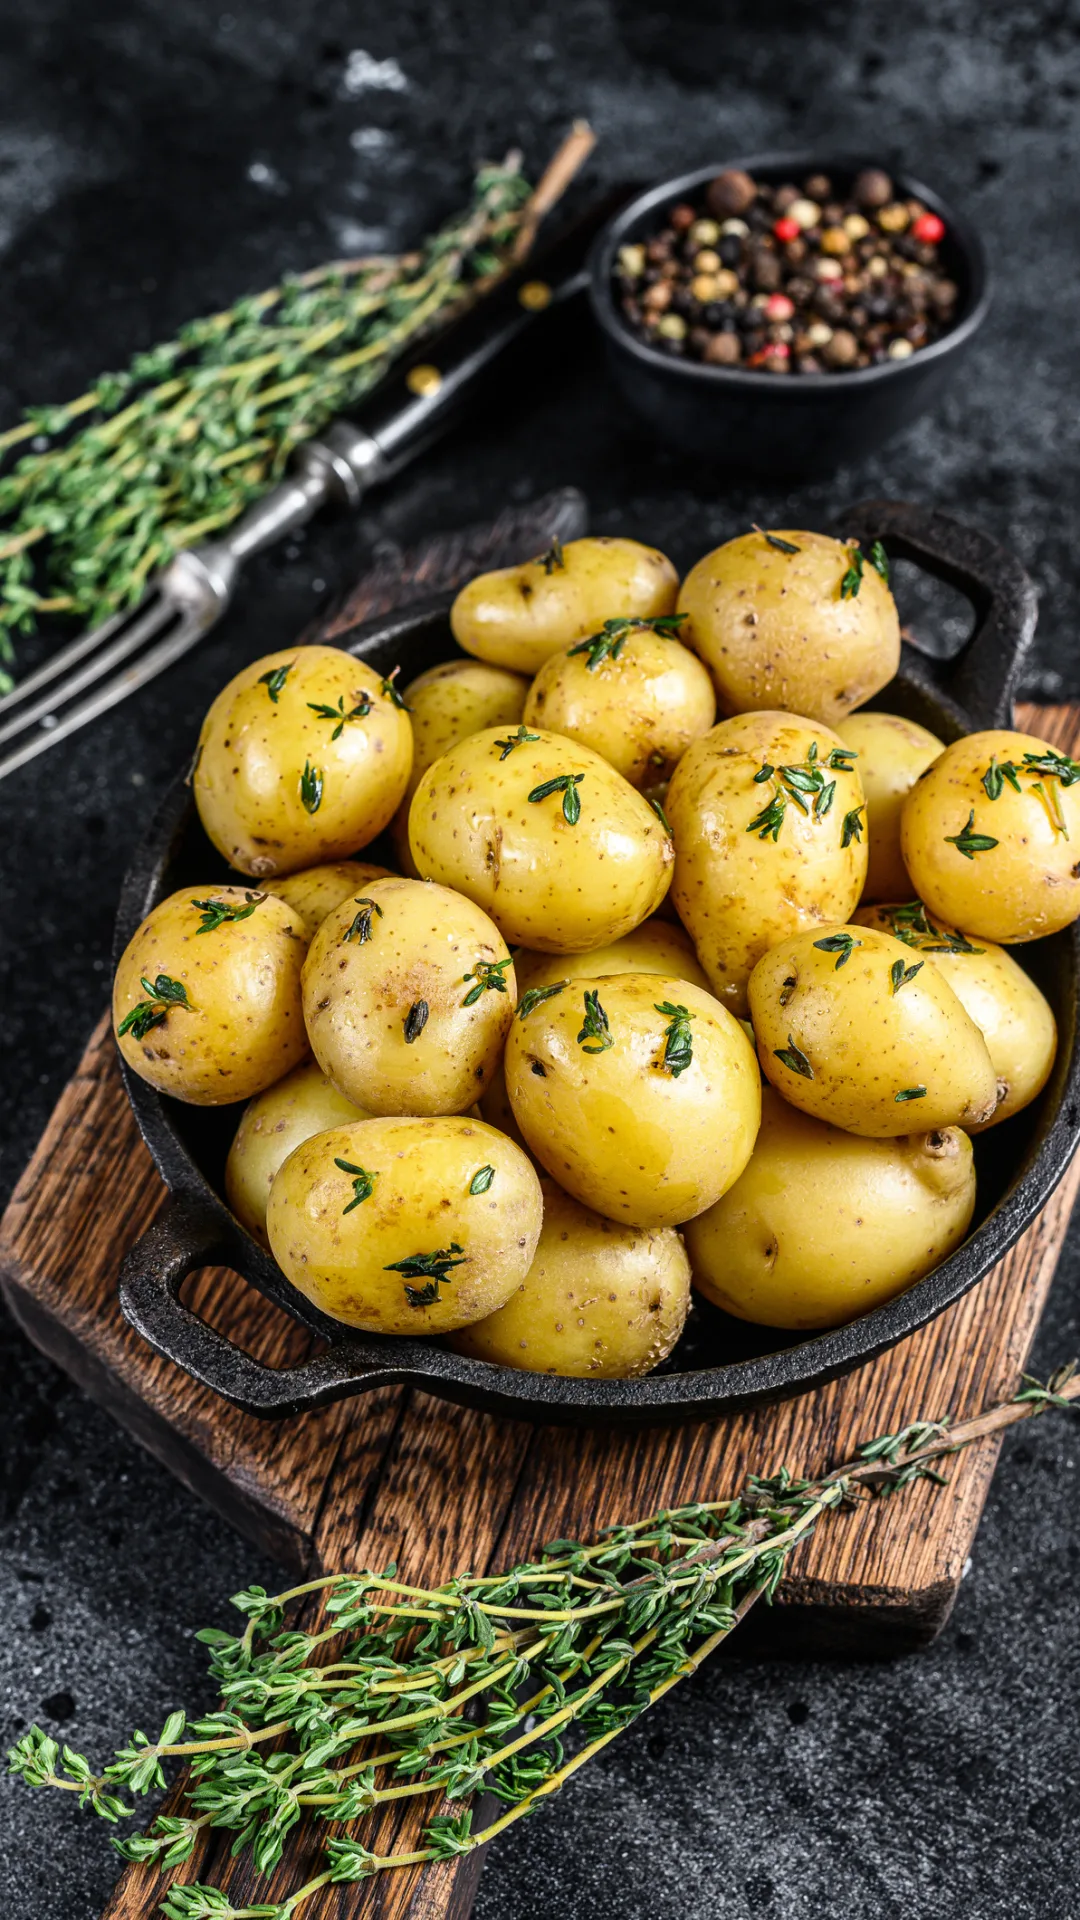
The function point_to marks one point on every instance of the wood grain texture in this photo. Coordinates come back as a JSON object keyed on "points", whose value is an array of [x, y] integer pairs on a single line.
{"points": [[399, 1475]]}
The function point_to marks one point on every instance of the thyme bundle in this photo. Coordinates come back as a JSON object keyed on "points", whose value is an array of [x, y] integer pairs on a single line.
{"points": [[173, 448], [505, 1684]]}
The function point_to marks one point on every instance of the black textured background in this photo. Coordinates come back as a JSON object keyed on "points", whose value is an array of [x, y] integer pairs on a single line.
{"points": [[157, 159]]}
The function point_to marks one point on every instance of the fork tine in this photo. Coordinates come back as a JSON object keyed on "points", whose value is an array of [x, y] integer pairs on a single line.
{"points": [[130, 638], [192, 625], [69, 656]]}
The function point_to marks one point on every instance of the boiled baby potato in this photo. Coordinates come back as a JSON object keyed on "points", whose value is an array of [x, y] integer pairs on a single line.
{"points": [[632, 693], [517, 617], [303, 758], [406, 1225], [409, 992], [271, 1126], [544, 835], [655, 947], [991, 837], [446, 704], [637, 1092], [600, 1301], [892, 753], [823, 1227], [852, 1028], [769, 822], [1012, 1015], [206, 999], [792, 620], [316, 891]]}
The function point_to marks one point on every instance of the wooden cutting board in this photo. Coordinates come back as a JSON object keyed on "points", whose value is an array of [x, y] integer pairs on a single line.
{"points": [[398, 1475]]}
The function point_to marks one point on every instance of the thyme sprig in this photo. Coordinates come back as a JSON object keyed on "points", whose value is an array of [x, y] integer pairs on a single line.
{"points": [[678, 1039], [595, 1027], [803, 784], [968, 842], [912, 924], [613, 635], [218, 913], [535, 996], [508, 1682], [518, 739], [567, 785], [434, 1268], [162, 994], [324, 711], [171, 450], [842, 944], [363, 1184], [488, 975], [360, 928]]}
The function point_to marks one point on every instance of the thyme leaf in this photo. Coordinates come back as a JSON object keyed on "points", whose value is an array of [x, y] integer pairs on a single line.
{"points": [[595, 1026], [662, 817], [768, 822], [879, 560], [567, 785], [969, 843], [852, 580], [482, 1180], [912, 925], [415, 1021], [431, 1267], [517, 739], [359, 712], [774, 540], [275, 679], [853, 827], [900, 975], [678, 1039], [613, 635], [996, 775], [794, 1059], [392, 692], [162, 994], [842, 944], [363, 1184], [911, 1093], [488, 975], [216, 913], [311, 788], [534, 997], [360, 927], [552, 559]]}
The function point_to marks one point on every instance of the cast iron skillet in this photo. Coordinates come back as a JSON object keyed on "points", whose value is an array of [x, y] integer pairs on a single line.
{"points": [[720, 1363]]}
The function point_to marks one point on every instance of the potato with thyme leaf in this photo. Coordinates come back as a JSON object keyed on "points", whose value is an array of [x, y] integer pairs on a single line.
{"points": [[769, 820], [517, 617], [270, 1127], [316, 891], [446, 704], [303, 758], [629, 691], [657, 946], [1013, 1016], [544, 835], [416, 1225], [409, 992], [853, 1028], [991, 837], [823, 1226], [637, 1092], [206, 999], [793, 620], [600, 1301], [892, 753]]}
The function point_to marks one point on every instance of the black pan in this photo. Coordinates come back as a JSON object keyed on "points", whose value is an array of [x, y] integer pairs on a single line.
{"points": [[720, 1363]]}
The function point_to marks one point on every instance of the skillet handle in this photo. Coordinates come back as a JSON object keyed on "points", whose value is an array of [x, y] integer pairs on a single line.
{"points": [[188, 1235], [981, 682]]}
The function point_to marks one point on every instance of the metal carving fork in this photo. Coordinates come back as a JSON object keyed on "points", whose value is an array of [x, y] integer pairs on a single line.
{"points": [[412, 408]]}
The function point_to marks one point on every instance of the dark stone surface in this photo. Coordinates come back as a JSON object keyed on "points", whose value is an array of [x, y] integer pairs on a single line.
{"points": [[156, 160]]}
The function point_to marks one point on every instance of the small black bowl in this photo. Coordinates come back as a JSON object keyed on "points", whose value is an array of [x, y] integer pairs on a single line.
{"points": [[762, 423]]}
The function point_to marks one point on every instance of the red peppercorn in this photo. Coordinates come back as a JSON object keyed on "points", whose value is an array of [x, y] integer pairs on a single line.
{"points": [[786, 228], [928, 228], [779, 307]]}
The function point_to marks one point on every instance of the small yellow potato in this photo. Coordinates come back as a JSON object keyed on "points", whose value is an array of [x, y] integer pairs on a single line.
{"points": [[544, 835], [409, 992], [271, 1126], [768, 816], [600, 1301], [782, 629], [206, 999], [517, 617], [632, 694], [823, 1227], [406, 1225], [637, 1092], [303, 758], [892, 753], [316, 891], [991, 837], [1014, 1018], [446, 704], [853, 1028], [657, 946]]}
